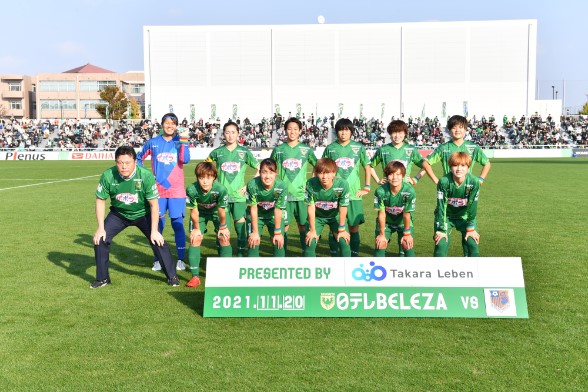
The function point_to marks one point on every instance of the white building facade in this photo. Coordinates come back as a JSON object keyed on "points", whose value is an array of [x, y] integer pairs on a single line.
{"points": [[374, 70]]}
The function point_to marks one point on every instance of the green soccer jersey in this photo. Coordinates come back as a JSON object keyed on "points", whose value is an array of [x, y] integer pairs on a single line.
{"points": [[407, 154], [348, 159], [129, 197], [327, 201], [231, 169], [456, 202], [292, 167], [444, 151], [209, 202], [395, 205], [266, 200]]}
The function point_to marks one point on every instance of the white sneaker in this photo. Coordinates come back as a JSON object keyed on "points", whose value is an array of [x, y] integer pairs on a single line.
{"points": [[156, 266], [181, 265]]}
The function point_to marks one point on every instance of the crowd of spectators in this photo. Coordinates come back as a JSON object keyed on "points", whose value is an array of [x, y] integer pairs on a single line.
{"points": [[576, 128], [533, 132], [75, 135], [23, 134]]}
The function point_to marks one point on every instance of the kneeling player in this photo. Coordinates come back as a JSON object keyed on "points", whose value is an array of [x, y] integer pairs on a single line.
{"points": [[395, 201], [457, 204], [266, 201], [327, 198], [207, 200]]}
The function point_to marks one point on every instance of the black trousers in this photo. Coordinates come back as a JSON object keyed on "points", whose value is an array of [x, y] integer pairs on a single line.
{"points": [[114, 224]]}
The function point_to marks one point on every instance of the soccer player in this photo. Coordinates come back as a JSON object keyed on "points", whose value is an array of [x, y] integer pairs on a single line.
{"points": [[327, 198], [349, 155], [395, 202], [207, 201], [230, 162], [457, 204], [266, 202], [133, 202], [169, 153], [292, 159], [458, 126], [399, 150]]}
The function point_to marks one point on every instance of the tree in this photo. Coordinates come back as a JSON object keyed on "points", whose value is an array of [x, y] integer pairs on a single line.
{"points": [[117, 103], [584, 110], [135, 109]]}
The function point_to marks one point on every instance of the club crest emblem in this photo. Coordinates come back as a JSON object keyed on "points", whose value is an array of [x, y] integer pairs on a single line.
{"points": [[327, 300], [499, 299]]}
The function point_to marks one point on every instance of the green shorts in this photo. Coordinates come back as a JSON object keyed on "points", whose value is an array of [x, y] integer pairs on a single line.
{"points": [[459, 224], [261, 222], [237, 210], [296, 210], [355, 215], [320, 223], [204, 219]]}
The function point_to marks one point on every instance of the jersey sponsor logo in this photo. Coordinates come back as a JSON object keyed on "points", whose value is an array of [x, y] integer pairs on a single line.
{"points": [[266, 205], [440, 195], [292, 164], [99, 189], [404, 163], [166, 158], [231, 167], [127, 198], [457, 202], [326, 205], [345, 163], [394, 210]]}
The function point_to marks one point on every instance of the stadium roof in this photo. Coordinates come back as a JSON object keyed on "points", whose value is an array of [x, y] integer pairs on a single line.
{"points": [[88, 68]]}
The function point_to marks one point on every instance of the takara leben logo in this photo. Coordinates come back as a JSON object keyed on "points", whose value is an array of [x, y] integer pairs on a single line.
{"points": [[376, 272], [327, 300]]}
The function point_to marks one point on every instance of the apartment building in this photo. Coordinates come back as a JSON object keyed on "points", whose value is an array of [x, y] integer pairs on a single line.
{"points": [[70, 94]]}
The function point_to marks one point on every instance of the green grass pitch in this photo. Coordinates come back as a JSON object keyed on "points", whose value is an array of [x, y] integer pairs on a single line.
{"points": [[140, 334]]}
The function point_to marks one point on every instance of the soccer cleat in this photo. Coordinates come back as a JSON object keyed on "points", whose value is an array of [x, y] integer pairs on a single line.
{"points": [[156, 266], [99, 283], [173, 281], [194, 282], [181, 265]]}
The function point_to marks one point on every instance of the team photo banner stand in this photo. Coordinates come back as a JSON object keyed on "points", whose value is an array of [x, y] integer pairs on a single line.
{"points": [[475, 287]]}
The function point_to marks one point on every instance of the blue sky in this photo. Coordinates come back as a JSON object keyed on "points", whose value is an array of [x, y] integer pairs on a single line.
{"points": [[45, 36]]}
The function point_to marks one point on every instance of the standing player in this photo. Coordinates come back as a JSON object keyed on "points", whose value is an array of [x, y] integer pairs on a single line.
{"points": [[458, 126], [457, 204], [292, 159], [169, 153], [399, 150], [266, 202], [327, 198], [230, 161], [395, 202], [349, 155], [207, 201], [133, 202]]}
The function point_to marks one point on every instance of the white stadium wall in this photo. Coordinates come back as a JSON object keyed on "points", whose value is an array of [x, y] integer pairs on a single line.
{"points": [[484, 67]]}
